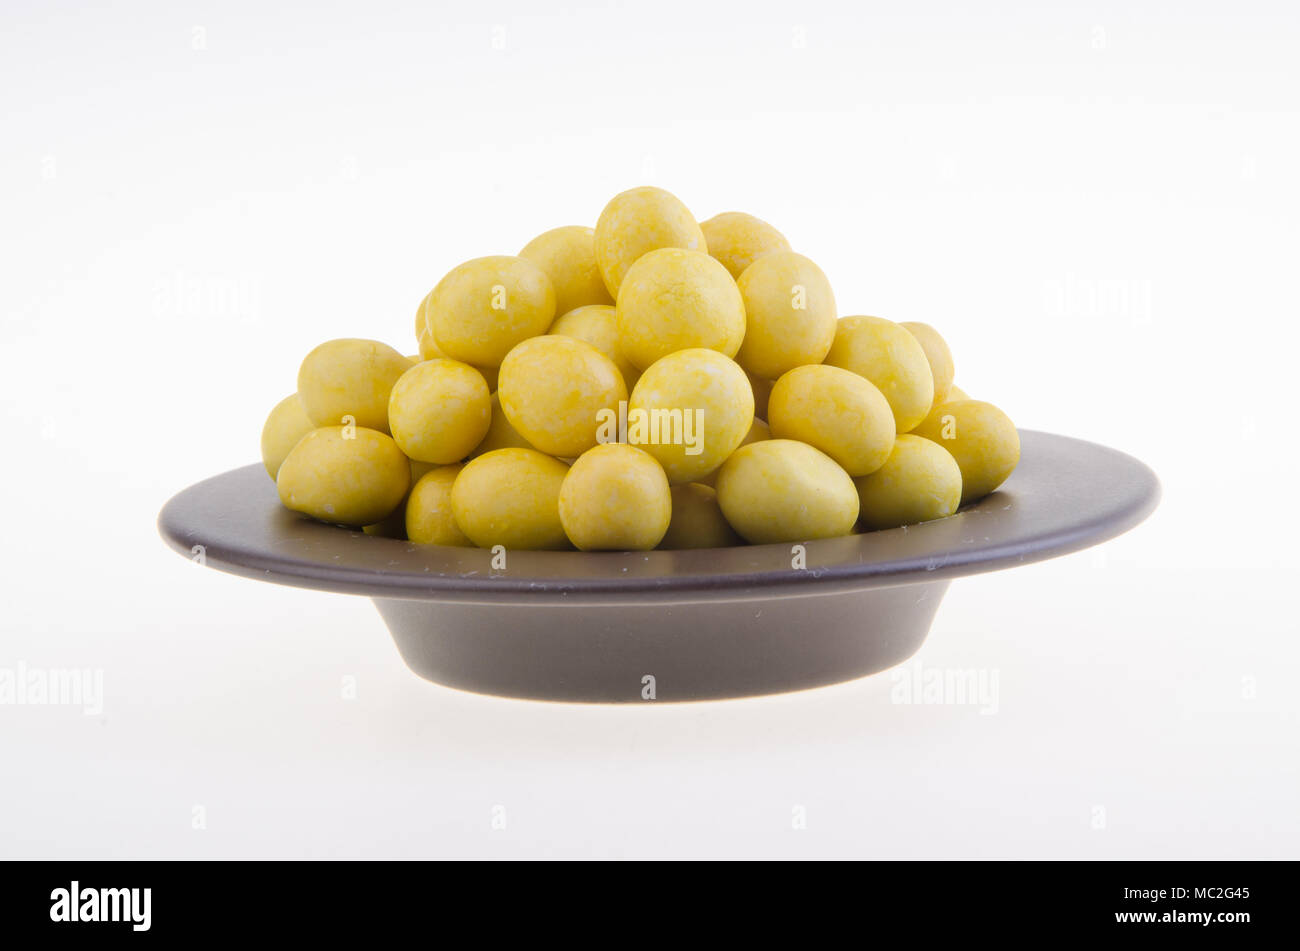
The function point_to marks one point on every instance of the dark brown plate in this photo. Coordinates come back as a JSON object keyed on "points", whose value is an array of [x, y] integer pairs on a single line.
{"points": [[701, 624]]}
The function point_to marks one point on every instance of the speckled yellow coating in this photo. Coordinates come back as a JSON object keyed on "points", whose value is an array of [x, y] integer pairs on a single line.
{"points": [[286, 424], [511, 497], [836, 411], [937, 353], [891, 358], [636, 222], [439, 411], [757, 430], [350, 377], [568, 256], [429, 518], [652, 381], [780, 490], [920, 481], [482, 308], [597, 324], [615, 498], [345, 475], [673, 300], [500, 434], [697, 520], [981, 438], [712, 397], [553, 389], [737, 240], [789, 314]]}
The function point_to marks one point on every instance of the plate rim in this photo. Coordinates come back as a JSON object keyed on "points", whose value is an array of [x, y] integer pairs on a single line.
{"points": [[823, 574]]}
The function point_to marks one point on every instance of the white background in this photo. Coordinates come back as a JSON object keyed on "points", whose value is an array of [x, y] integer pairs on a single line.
{"points": [[1098, 209]]}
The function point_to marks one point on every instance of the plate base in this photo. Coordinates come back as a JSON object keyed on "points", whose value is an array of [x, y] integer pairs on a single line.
{"points": [[669, 651]]}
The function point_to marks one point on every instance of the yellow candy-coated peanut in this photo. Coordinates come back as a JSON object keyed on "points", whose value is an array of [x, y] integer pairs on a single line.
{"points": [[348, 475], [511, 497], [556, 390], [424, 331], [789, 314], [757, 430], [891, 358], [920, 481], [955, 393], [429, 349], [481, 309], [636, 222], [697, 520], [422, 326], [568, 256], [395, 525], [836, 411], [737, 240], [674, 300], [981, 438], [615, 497], [597, 324], [285, 425], [937, 352], [500, 434], [780, 490], [762, 393], [349, 377], [690, 411], [429, 516], [439, 411]]}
